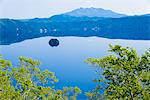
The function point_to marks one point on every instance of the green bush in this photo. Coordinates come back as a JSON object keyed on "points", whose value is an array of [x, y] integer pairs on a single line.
{"points": [[127, 75], [28, 82]]}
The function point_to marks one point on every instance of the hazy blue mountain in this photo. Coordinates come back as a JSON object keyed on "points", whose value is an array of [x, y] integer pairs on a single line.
{"points": [[131, 27], [86, 14], [147, 15], [94, 12], [80, 22], [67, 18]]}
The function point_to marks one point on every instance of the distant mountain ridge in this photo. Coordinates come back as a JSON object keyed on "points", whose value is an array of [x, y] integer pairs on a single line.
{"points": [[126, 27], [86, 14], [94, 12], [67, 18]]}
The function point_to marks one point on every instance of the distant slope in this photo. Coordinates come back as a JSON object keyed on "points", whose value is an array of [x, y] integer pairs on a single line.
{"points": [[94, 12], [67, 18], [133, 27], [146, 15], [86, 14]]}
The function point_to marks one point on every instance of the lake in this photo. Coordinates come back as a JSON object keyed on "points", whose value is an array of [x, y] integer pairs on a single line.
{"points": [[67, 59]]}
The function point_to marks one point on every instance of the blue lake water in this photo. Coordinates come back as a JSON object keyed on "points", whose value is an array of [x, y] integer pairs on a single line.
{"points": [[67, 59]]}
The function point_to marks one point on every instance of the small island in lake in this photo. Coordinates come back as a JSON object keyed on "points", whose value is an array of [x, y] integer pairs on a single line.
{"points": [[54, 42]]}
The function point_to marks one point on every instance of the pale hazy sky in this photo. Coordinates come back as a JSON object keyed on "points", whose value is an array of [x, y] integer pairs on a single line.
{"points": [[22, 9]]}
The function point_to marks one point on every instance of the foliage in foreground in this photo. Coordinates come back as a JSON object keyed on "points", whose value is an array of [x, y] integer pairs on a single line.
{"points": [[127, 75], [28, 82]]}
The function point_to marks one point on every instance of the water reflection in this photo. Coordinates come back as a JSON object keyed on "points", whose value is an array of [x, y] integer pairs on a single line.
{"points": [[54, 42]]}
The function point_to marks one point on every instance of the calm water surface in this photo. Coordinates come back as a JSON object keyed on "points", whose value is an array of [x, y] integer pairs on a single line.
{"points": [[67, 59]]}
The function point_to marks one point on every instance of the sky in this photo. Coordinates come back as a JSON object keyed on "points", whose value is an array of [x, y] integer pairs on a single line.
{"points": [[25, 9]]}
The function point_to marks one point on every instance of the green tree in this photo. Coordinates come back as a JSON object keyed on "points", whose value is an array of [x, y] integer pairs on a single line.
{"points": [[28, 82], [127, 75]]}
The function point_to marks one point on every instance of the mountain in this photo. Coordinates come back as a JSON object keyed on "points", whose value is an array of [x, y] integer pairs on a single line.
{"points": [[86, 14], [80, 22], [146, 15], [94, 12], [67, 18], [131, 27]]}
